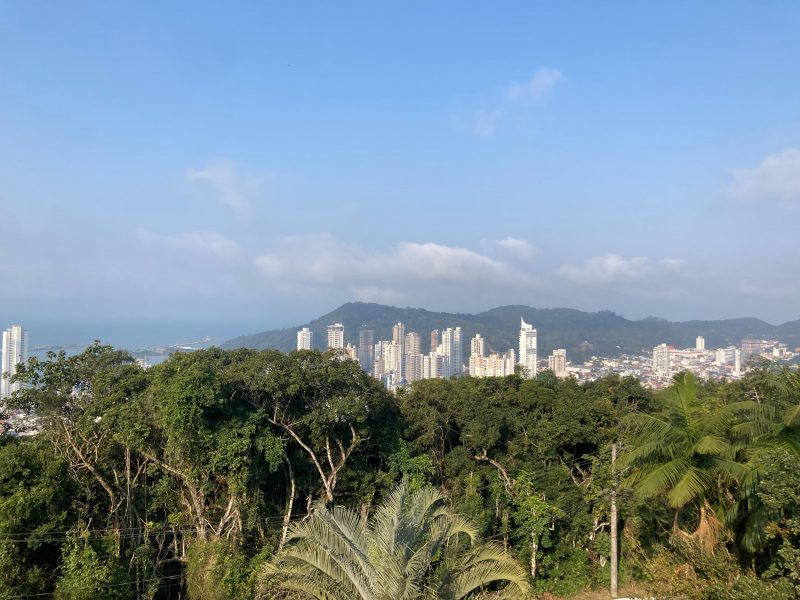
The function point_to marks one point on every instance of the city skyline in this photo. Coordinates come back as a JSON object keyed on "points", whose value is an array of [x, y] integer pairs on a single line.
{"points": [[400, 361]]}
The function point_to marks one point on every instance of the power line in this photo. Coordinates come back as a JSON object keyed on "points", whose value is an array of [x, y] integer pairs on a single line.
{"points": [[99, 587], [99, 533]]}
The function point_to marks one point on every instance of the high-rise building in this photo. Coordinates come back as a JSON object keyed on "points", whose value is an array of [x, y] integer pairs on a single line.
{"points": [[451, 351], [434, 340], [366, 349], [494, 365], [393, 360], [305, 339], [737, 362], [379, 366], [413, 343], [336, 336], [477, 346], [351, 352], [477, 352], [458, 352], [398, 333], [750, 348], [413, 366], [700, 343], [661, 367], [557, 362], [528, 349], [399, 338], [720, 360], [15, 351], [725, 356], [432, 366]]}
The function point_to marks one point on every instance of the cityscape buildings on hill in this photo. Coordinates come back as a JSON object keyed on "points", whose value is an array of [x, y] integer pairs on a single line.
{"points": [[400, 361]]}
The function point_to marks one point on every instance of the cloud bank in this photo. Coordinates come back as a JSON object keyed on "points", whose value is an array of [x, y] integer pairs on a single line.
{"points": [[613, 269], [776, 178]]}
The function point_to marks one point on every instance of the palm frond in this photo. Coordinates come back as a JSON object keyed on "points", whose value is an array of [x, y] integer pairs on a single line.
{"points": [[396, 555]]}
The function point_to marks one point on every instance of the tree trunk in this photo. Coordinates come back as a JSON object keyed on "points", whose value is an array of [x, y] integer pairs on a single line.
{"points": [[614, 542], [534, 551], [289, 504]]}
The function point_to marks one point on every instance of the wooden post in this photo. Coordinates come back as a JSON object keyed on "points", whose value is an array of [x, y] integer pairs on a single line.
{"points": [[614, 543]]}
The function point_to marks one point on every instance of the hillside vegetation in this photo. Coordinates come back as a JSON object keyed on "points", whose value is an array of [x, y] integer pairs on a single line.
{"points": [[583, 334]]}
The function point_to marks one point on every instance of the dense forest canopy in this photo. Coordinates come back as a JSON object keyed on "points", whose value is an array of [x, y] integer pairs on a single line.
{"points": [[224, 474]]}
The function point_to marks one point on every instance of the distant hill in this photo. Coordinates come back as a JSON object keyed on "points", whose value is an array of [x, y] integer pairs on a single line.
{"points": [[583, 334]]}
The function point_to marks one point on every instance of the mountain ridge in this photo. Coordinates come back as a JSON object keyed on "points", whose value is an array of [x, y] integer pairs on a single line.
{"points": [[583, 334]]}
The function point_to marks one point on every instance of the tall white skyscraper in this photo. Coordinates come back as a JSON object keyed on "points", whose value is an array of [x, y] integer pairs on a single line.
{"points": [[336, 336], [557, 362], [452, 355], [393, 360], [15, 351], [700, 343], [458, 352], [528, 348], [399, 338], [305, 339], [661, 366]]}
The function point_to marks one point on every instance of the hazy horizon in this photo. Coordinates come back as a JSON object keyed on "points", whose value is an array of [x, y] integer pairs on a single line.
{"points": [[143, 332]]}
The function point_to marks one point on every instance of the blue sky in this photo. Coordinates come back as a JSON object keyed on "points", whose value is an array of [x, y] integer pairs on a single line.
{"points": [[264, 162]]}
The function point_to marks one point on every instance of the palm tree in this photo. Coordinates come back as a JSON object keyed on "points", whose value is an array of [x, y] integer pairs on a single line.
{"points": [[413, 547], [689, 452], [774, 430]]}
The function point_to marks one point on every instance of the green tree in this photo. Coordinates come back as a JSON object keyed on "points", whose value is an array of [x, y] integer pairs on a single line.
{"points": [[410, 549], [35, 509], [688, 453]]}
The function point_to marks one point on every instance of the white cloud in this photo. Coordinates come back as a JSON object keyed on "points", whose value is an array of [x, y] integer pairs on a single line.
{"points": [[204, 244], [321, 259], [485, 122], [230, 185], [777, 177], [513, 246], [543, 80], [613, 268]]}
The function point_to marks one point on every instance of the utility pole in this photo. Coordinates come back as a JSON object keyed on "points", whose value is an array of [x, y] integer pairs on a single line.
{"points": [[614, 557]]}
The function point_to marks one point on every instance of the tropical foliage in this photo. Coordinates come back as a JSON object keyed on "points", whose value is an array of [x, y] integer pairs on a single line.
{"points": [[413, 547], [226, 474]]}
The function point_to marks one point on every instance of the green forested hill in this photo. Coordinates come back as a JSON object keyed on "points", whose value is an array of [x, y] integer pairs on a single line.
{"points": [[581, 333]]}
